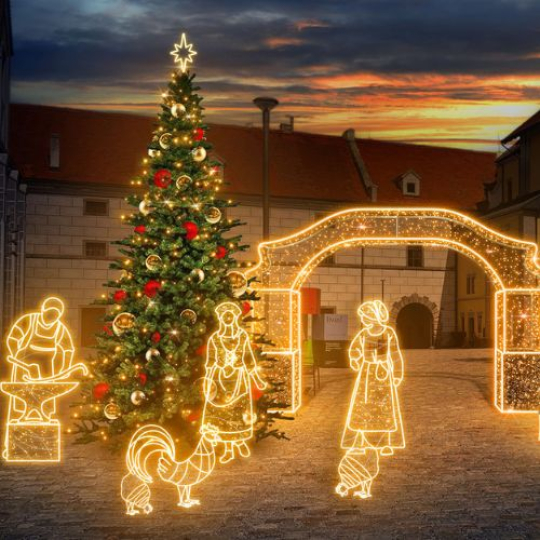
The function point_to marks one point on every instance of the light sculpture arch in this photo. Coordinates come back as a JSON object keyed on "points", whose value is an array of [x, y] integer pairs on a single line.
{"points": [[512, 265]]}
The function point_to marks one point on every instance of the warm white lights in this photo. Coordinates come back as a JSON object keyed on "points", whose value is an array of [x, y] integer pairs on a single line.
{"points": [[511, 264], [40, 351], [228, 420], [374, 426], [183, 53]]}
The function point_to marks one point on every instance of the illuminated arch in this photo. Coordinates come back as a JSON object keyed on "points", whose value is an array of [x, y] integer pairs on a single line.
{"points": [[512, 265]]}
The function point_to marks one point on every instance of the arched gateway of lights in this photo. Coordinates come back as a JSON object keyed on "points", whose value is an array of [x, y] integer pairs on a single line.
{"points": [[512, 265]]}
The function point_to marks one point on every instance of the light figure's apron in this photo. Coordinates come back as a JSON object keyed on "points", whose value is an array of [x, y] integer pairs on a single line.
{"points": [[228, 406], [374, 416]]}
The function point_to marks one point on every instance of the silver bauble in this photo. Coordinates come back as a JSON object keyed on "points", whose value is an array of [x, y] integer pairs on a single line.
{"points": [[150, 353], [137, 397], [197, 275], [145, 207]]}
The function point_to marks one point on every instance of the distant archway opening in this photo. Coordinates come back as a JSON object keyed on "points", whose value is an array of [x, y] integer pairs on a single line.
{"points": [[414, 324]]}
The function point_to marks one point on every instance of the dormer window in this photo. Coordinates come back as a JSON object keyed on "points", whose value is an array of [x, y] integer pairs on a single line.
{"points": [[410, 184]]}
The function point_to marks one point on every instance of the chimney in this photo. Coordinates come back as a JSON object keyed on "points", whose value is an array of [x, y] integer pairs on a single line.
{"points": [[288, 128], [370, 186]]}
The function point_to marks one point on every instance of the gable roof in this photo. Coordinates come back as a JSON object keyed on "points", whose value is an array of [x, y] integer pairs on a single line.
{"points": [[107, 148], [528, 124]]}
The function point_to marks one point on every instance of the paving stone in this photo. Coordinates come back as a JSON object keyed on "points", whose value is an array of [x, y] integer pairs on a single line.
{"points": [[467, 472]]}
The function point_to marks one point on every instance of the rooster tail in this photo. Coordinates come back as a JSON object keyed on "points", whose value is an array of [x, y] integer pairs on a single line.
{"points": [[145, 442]]}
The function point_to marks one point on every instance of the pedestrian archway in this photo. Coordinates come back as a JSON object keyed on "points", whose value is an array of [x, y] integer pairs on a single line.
{"points": [[414, 326], [511, 264]]}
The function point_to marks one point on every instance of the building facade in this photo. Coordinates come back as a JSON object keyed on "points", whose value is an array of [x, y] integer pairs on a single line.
{"points": [[512, 206], [78, 164], [12, 197]]}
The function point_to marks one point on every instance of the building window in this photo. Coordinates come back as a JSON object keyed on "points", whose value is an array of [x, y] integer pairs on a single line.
{"points": [[479, 328], [471, 283], [462, 318], [54, 151], [94, 249], [415, 257], [91, 323], [328, 310], [410, 184], [95, 207]]}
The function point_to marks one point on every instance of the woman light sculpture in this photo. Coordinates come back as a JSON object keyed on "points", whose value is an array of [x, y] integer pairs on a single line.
{"points": [[374, 426]]}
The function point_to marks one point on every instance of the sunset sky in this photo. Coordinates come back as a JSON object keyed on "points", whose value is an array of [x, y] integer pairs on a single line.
{"points": [[448, 72]]}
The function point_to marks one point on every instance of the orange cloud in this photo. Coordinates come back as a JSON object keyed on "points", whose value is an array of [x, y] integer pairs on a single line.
{"points": [[309, 23], [276, 42]]}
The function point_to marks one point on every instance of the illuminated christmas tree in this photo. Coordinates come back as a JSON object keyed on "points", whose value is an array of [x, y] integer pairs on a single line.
{"points": [[177, 267]]}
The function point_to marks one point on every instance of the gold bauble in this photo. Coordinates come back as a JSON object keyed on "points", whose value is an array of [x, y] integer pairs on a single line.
{"points": [[189, 315], [198, 154], [182, 182], [212, 215], [165, 141], [112, 411], [137, 397], [178, 109], [153, 152], [153, 262], [238, 282], [249, 418], [122, 322], [197, 275]]}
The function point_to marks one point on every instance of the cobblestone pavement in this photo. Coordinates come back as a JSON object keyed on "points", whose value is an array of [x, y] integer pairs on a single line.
{"points": [[467, 472]]}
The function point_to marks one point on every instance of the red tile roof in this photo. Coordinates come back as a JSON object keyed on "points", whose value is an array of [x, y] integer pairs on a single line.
{"points": [[107, 148]]}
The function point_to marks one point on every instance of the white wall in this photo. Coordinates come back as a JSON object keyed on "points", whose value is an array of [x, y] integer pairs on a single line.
{"points": [[56, 230]]}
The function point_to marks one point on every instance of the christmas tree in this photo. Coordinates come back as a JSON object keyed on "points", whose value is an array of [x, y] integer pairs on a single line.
{"points": [[178, 265]]}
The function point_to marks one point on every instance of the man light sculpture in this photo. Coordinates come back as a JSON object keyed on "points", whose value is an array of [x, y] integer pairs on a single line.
{"points": [[40, 351]]}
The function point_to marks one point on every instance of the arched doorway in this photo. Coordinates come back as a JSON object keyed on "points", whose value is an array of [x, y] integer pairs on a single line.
{"points": [[511, 264], [414, 326]]}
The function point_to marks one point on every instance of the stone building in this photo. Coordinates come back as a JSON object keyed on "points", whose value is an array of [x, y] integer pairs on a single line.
{"points": [[511, 205], [77, 166], [11, 191]]}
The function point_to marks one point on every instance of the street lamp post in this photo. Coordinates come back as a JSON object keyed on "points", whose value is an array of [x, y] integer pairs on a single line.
{"points": [[266, 104]]}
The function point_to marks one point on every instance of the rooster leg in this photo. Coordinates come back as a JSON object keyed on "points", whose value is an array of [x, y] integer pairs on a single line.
{"points": [[185, 500], [130, 511]]}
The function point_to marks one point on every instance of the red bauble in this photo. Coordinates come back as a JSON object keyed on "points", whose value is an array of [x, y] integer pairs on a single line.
{"points": [[140, 229], [107, 328], [100, 390], [191, 228], [221, 252], [143, 377], [162, 178], [119, 296], [256, 394], [152, 288], [194, 416], [246, 308], [199, 134], [201, 351], [156, 337]]}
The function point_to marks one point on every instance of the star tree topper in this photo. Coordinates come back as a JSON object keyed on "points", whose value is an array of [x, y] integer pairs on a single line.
{"points": [[179, 57]]}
